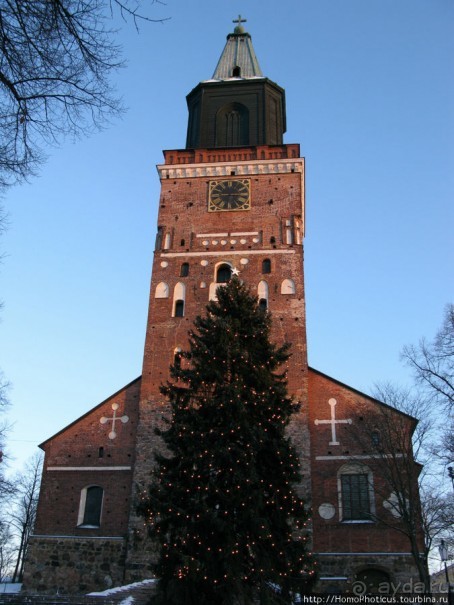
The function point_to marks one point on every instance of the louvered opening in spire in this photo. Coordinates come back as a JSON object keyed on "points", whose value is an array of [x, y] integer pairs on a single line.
{"points": [[238, 59]]}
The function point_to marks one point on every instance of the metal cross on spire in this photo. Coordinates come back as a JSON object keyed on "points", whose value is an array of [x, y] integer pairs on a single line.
{"points": [[239, 21]]}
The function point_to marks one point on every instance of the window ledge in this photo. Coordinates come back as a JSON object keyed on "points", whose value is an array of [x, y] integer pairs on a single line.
{"points": [[357, 521], [88, 526]]}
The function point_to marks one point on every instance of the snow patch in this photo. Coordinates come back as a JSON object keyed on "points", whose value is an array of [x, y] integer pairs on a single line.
{"points": [[118, 589], [9, 587]]}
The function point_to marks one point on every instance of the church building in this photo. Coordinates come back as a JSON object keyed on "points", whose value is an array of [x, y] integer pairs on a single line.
{"points": [[232, 202]]}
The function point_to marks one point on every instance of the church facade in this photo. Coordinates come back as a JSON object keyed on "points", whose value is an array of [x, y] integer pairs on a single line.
{"points": [[232, 203]]}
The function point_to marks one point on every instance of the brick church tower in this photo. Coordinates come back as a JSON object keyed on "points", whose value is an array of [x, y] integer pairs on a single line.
{"points": [[232, 203]]}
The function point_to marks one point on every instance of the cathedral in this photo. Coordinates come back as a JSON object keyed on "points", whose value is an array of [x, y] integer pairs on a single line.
{"points": [[232, 202]]}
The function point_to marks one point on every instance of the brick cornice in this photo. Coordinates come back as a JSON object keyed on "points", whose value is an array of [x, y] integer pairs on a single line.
{"points": [[230, 169]]}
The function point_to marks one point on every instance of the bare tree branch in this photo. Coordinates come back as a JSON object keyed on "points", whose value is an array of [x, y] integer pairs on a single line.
{"points": [[398, 443], [433, 362], [23, 515], [433, 367], [6, 487], [7, 551], [56, 62]]}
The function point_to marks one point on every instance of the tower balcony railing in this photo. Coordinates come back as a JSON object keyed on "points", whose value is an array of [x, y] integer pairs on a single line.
{"points": [[231, 154]]}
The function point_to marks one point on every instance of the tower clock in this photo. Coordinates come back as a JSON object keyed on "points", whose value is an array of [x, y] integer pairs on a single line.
{"points": [[226, 195]]}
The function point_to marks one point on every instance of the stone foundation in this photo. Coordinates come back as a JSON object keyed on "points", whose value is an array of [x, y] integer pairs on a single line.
{"points": [[338, 573], [73, 565]]}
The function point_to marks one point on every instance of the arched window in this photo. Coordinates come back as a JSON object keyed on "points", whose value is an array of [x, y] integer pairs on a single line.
{"points": [[288, 232], [177, 358], [162, 290], [167, 241], [184, 270], [212, 291], [374, 580], [90, 506], [375, 438], [179, 295], [179, 308], [236, 73], [223, 273], [262, 292], [356, 494], [298, 230], [288, 287], [158, 242], [266, 265], [232, 125]]}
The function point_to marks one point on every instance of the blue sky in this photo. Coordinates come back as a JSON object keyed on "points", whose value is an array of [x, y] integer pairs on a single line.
{"points": [[369, 88]]}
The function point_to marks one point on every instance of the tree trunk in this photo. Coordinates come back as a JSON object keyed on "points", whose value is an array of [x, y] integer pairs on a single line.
{"points": [[19, 557]]}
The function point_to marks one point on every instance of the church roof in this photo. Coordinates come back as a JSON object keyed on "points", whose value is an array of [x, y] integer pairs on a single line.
{"points": [[90, 411], [238, 53], [365, 395]]}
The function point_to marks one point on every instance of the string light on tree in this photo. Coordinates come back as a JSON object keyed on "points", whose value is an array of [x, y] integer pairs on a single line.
{"points": [[229, 464]]}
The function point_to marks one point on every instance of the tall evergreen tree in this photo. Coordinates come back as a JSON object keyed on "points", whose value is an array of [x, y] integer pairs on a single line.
{"points": [[223, 508]]}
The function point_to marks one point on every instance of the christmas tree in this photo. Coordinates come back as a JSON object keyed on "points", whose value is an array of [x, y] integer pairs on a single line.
{"points": [[222, 507]]}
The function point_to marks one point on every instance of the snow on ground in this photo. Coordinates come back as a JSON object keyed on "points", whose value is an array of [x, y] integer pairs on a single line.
{"points": [[118, 589], [128, 601], [10, 587]]}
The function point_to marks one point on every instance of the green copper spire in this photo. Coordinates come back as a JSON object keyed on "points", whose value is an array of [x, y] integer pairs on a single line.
{"points": [[238, 58]]}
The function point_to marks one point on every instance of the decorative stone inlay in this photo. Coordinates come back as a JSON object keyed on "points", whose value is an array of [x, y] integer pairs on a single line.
{"points": [[123, 419], [280, 166], [204, 263], [88, 468], [231, 252], [392, 505], [244, 261], [211, 235], [164, 264], [326, 510], [332, 403], [244, 235]]}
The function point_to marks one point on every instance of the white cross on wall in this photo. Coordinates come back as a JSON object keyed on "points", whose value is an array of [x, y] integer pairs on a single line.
{"points": [[333, 422], [124, 419]]}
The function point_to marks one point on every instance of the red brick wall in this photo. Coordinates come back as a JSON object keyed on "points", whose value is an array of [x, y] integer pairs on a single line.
{"points": [[78, 446], [183, 213], [333, 535], [277, 194]]}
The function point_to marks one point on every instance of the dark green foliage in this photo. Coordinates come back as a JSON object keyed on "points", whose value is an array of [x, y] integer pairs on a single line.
{"points": [[222, 506]]}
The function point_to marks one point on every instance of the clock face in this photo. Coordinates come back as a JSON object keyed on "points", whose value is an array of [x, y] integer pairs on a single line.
{"points": [[231, 194]]}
